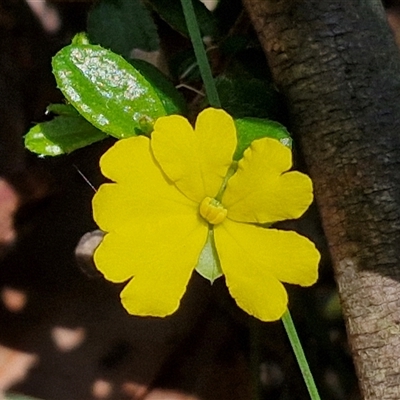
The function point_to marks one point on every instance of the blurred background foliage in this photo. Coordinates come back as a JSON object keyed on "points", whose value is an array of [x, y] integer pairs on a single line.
{"points": [[152, 34]]}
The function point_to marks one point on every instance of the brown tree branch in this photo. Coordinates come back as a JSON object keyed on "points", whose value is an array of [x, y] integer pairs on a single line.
{"points": [[338, 66]]}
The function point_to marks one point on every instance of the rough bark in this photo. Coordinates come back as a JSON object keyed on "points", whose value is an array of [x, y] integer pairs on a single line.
{"points": [[337, 64]]}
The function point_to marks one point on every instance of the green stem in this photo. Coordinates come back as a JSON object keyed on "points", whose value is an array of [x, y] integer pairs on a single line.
{"points": [[200, 52], [300, 356]]}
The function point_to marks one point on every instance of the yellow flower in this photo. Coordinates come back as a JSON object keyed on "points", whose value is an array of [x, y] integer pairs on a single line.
{"points": [[170, 191]]}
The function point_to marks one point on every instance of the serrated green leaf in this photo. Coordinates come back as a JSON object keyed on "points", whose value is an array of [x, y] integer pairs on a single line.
{"points": [[173, 101], [106, 90], [171, 12], [249, 129], [208, 265], [63, 134], [247, 97], [121, 26]]}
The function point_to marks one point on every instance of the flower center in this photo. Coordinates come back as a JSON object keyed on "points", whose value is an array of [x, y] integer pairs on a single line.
{"points": [[212, 210]]}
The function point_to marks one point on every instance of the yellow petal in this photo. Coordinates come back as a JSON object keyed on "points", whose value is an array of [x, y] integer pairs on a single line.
{"points": [[143, 190], [159, 256], [119, 162], [255, 260], [196, 160], [261, 192]]}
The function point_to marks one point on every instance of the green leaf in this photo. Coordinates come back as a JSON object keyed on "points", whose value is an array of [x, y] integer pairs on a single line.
{"points": [[121, 26], [80, 39], [171, 12], [64, 134], [172, 99], [249, 129], [106, 90], [62, 109], [208, 265], [247, 97]]}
